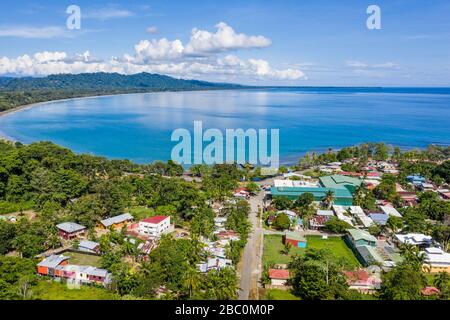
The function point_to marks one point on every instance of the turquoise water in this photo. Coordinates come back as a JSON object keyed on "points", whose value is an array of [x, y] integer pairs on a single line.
{"points": [[139, 126]]}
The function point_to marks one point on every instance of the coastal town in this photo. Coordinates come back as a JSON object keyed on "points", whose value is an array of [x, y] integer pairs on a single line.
{"points": [[372, 216]]}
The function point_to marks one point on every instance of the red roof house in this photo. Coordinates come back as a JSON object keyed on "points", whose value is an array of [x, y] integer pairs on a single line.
{"points": [[278, 277], [155, 219], [362, 280], [430, 291]]}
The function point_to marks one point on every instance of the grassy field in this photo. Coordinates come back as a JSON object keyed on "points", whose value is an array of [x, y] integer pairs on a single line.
{"points": [[82, 259], [50, 290], [273, 245], [278, 294], [140, 213]]}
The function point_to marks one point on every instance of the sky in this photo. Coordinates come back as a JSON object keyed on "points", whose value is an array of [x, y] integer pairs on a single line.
{"points": [[289, 42]]}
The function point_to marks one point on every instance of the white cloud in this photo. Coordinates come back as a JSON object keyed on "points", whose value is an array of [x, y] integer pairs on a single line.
{"points": [[44, 57], [33, 32], [151, 30], [166, 57], [45, 63], [225, 38], [106, 14], [201, 43], [362, 65], [161, 49]]}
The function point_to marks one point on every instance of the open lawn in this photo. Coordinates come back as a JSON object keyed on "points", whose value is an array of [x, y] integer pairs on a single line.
{"points": [[140, 213], [51, 290], [82, 259], [273, 246], [278, 294]]}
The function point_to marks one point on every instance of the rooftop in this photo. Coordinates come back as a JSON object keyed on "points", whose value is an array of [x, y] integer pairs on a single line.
{"points": [[294, 236], [391, 211], [316, 192], [117, 219], [338, 181], [155, 219], [88, 244], [358, 234], [281, 274], [379, 218], [70, 227], [52, 261], [414, 238], [369, 254]]}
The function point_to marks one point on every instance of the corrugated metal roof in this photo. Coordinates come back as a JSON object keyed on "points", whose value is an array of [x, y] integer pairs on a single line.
{"points": [[52, 261], [70, 227], [117, 219], [91, 245]]}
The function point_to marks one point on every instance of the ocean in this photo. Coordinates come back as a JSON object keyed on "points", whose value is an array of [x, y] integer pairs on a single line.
{"points": [[139, 126]]}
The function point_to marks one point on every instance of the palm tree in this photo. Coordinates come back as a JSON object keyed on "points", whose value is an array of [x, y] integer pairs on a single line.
{"points": [[222, 284], [442, 282], [287, 248], [192, 279], [329, 198], [412, 254]]}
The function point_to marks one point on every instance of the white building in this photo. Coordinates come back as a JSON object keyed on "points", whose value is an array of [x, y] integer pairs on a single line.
{"points": [[294, 184], [341, 214], [215, 264], [417, 239], [155, 226], [438, 259], [358, 212], [390, 211]]}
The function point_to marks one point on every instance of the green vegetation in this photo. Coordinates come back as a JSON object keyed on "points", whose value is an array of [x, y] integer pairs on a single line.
{"points": [[83, 259], [273, 249], [15, 92], [281, 222], [62, 186], [278, 294], [51, 290]]}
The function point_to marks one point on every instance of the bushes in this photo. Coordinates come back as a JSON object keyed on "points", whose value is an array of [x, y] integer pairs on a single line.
{"points": [[10, 207]]}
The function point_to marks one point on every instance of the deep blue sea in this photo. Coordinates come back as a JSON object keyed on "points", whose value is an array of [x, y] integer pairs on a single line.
{"points": [[139, 126]]}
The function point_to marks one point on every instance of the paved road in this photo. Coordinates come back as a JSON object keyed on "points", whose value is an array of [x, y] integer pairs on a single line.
{"points": [[251, 258]]}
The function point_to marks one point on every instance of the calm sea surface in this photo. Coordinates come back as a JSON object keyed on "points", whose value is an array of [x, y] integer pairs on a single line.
{"points": [[139, 126]]}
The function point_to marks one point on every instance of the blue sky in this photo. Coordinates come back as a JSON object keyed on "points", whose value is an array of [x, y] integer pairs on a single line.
{"points": [[256, 42]]}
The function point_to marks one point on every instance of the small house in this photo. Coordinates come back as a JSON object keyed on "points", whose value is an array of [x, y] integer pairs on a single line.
{"points": [[215, 264], [89, 246], [48, 266], [415, 179], [70, 230], [379, 218], [417, 239], [278, 277], [437, 259], [363, 281], [430, 291], [359, 237], [390, 211], [116, 222], [295, 239]]}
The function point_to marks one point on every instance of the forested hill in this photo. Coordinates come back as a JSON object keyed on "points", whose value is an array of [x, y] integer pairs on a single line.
{"points": [[104, 81], [15, 92]]}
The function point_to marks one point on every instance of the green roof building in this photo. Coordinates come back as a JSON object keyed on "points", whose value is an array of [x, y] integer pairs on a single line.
{"points": [[342, 196], [338, 181], [368, 255], [361, 238], [343, 188]]}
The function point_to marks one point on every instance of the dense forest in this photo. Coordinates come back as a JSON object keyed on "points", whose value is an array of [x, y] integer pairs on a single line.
{"points": [[15, 92], [44, 184]]}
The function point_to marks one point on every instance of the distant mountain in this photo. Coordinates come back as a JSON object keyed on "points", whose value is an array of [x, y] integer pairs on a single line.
{"points": [[108, 81], [17, 92]]}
